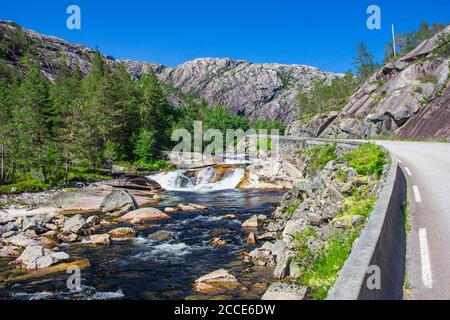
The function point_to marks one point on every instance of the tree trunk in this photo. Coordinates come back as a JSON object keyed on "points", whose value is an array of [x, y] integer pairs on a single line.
{"points": [[2, 162]]}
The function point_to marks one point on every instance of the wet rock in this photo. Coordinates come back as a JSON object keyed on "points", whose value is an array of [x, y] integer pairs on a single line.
{"points": [[100, 239], [144, 214], [122, 233], [253, 222], [218, 232], [284, 291], [229, 217], [251, 238], [216, 281], [218, 242], [119, 201], [161, 235], [75, 224], [197, 206], [170, 210]]}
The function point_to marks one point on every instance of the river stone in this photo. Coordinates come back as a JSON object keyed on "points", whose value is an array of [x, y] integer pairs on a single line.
{"points": [[119, 201], [10, 226], [122, 233], [267, 236], [75, 224], [19, 240], [38, 257], [101, 239], [253, 222], [34, 223], [161, 235], [144, 214], [284, 291], [216, 281], [251, 238], [282, 269]]}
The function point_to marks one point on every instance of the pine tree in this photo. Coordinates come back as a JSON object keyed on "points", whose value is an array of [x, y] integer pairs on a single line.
{"points": [[364, 62]]}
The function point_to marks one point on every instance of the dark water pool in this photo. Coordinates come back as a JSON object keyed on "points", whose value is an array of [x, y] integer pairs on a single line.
{"points": [[141, 268]]}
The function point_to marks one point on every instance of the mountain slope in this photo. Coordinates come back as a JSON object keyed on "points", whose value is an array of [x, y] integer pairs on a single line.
{"points": [[408, 98], [259, 91]]}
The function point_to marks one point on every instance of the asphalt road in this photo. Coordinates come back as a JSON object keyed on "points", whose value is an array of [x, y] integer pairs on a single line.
{"points": [[427, 168]]}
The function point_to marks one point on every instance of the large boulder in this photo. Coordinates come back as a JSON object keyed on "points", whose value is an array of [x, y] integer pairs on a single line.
{"points": [[144, 214], [284, 291], [119, 201]]}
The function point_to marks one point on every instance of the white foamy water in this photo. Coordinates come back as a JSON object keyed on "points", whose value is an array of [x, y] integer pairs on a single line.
{"points": [[179, 181]]}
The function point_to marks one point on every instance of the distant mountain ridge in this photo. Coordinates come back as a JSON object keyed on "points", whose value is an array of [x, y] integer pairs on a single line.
{"points": [[258, 91]]}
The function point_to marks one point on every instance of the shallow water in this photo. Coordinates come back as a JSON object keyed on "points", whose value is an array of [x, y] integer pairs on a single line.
{"points": [[141, 268]]}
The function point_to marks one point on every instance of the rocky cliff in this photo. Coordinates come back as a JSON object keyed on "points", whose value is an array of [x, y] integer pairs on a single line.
{"points": [[408, 98], [266, 91]]}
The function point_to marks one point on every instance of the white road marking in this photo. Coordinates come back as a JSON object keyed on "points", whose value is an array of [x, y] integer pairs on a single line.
{"points": [[408, 171], [427, 278], [417, 194]]}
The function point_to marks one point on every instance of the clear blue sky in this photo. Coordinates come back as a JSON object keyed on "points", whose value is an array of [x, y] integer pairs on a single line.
{"points": [[321, 33]]}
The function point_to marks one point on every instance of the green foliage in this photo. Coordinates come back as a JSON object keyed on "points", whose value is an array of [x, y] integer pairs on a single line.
{"points": [[429, 79], [364, 62], [324, 97], [268, 125], [418, 90], [24, 186], [83, 174], [291, 209], [367, 159], [304, 255], [320, 156], [341, 175], [144, 145], [322, 275], [443, 47]]}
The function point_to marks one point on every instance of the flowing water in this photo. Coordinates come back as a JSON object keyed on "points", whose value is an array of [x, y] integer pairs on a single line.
{"points": [[141, 268]]}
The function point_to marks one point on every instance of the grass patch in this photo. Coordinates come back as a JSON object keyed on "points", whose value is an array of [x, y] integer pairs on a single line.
{"points": [[83, 174], [291, 209], [25, 186], [323, 274], [368, 159], [429, 79], [320, 156]]}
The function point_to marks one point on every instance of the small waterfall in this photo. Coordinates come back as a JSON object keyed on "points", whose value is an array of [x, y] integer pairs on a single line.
{"points": [[203, 180]]}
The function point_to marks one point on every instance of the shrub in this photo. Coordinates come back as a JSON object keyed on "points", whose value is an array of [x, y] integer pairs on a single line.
{"points": [[291, 209], [367, 159], [443, 47], [321, 155]]}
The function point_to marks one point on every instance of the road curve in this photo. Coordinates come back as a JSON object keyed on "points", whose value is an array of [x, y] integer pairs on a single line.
{"points": [[427, 168]]}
